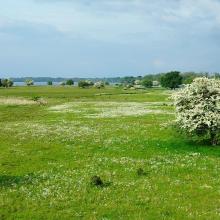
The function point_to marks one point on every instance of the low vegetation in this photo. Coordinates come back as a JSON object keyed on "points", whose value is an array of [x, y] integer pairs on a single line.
{"points": [[101, 154]]}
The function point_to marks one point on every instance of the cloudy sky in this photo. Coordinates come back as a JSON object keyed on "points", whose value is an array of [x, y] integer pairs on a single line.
{"points": [[88, 38]]}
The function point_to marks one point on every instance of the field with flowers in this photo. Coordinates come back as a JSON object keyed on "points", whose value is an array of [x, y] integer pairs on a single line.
{"points": [[53, 140]]}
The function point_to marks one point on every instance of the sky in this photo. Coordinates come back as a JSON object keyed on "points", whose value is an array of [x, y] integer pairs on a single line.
{"points": [[107, 38]]}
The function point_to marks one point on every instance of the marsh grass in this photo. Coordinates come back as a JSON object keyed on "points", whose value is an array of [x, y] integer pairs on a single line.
{"points": [[112, 109], [149, 170], [16, 101]]}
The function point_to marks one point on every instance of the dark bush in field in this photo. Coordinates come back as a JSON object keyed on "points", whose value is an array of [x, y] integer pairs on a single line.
{"points": [[147, 83], [96, 181], [6, 83], [141, 172], [171, 80], [85, 83], [69, 82], [49, 83]]}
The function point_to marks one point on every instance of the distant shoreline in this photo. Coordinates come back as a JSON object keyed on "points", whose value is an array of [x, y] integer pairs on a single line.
{"points": [[40, 84]]}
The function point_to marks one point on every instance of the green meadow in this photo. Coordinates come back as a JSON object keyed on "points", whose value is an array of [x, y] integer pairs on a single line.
{"points": [[53, 140]]}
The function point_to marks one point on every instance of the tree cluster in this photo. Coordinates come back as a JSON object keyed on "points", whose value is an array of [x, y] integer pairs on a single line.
{"points": [[171, 80], [6, 83], [68, 82], [85, 83]]}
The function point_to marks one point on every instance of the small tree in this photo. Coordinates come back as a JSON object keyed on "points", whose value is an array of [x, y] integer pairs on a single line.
{"points": [[82, 84], [29, 82], [147, 83], [10, 83], [69, 82], [49, 83], [7, 83], [198, 109], [4, 83], [99, 85], [171, 80], [85, 83]]}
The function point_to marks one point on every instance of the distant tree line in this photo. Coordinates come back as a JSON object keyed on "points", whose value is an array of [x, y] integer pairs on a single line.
{"points": [[171, 80], [61, 79]]}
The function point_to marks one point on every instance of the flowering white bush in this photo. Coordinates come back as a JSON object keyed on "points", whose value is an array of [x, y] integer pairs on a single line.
{"points": [[99, 85], [198, 108], [29, 82]]}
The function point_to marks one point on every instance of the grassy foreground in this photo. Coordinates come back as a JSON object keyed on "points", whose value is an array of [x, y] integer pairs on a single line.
{"points": [[50, 151]]}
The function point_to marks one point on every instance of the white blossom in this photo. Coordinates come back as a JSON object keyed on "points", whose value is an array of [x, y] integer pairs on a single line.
{"points": [[198, 109]]}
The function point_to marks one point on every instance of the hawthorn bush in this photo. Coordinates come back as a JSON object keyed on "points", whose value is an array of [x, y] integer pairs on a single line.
{"points": [[198, 109], [99, 85], [29, 82]]}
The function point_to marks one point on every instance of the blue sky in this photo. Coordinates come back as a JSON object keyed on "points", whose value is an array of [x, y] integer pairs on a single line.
{"points": [[95, 38]]}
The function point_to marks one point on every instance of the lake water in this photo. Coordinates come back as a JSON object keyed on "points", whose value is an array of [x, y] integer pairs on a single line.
{"points": [[35, 83]]}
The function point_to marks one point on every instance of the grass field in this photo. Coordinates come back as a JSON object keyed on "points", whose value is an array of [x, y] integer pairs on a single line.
{"points": [[50, 149]]}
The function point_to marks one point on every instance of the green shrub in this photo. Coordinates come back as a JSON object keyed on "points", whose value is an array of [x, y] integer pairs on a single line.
{"points": [[147, 83], [96, 181], [49, 83], [36, 98], [141, 172], [85, 83], [171, 80], [6, 83], [69, 82]]}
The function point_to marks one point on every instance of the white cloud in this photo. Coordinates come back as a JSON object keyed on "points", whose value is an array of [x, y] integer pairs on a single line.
{"points": [[116, 19], [137, 33]]}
